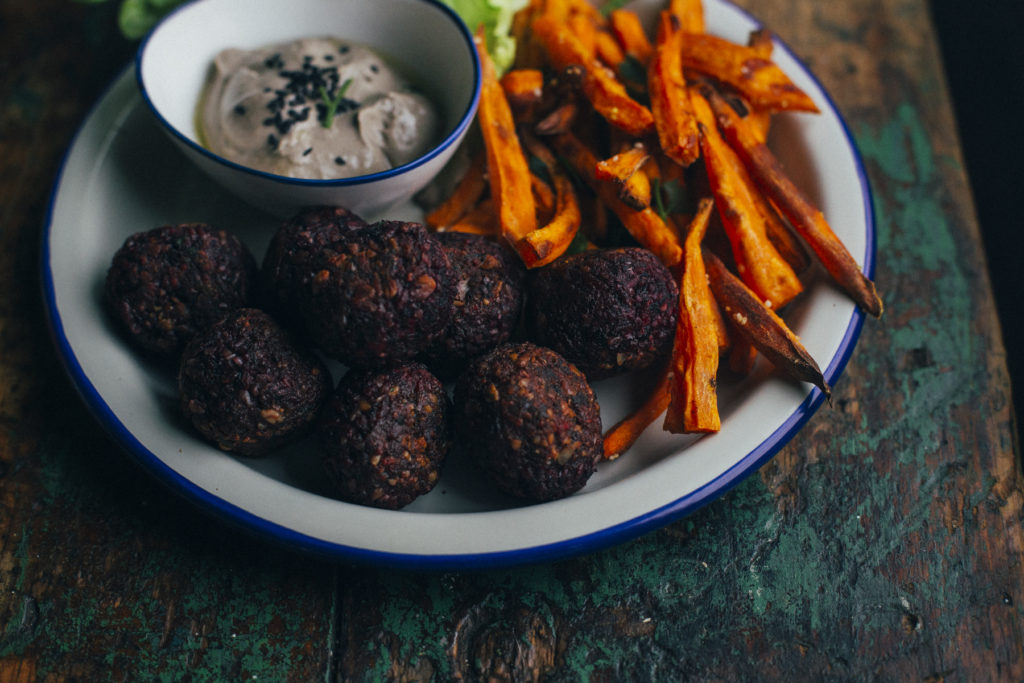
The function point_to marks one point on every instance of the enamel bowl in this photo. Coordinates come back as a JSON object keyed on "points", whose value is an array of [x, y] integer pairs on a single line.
{"points": [[423, 39]]}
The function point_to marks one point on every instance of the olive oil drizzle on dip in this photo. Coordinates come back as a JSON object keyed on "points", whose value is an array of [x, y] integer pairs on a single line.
{"points": [[316, 108]]}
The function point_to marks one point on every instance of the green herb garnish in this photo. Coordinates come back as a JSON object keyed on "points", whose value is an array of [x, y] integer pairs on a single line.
{"points": [[332, 104], [669, 197], [612, 5]]}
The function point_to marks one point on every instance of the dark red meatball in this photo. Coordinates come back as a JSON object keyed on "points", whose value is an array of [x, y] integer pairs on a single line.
{"points": [[489, 294], [385, 435], [166, 284], [288, 261], [530, 419], [379, 295], [607, 311], [247, 387]]}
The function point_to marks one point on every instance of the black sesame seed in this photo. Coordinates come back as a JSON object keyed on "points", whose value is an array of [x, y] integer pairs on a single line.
{"points": [[339, 161], [272, 141], [307, 151], [343, 49], [374, 68], [328, 58], [239, 110]]}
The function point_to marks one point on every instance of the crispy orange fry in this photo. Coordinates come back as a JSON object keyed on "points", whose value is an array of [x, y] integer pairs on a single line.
{"points": [[807, 219], [645, 226], [628, 30], [759, 264], [467, 193], [559, 120], [480, 220], [507, 168], [781, 235], [529, 51], [543, 196], [543, 245], [608, 50], [761, 42], [624, 434], [766, 331], [583, 28], [670, 106], [693, 406], [600, 86], [524, 89], [742, 356], [624, 169], [689, 15], [759, 80]]}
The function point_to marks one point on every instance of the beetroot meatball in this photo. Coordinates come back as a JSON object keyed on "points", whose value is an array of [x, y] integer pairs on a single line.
{"points": [[247, 387], [379, 295], [607, 311], [531, 421], [166, 284], [287, 263], [489, 294], [385, 434]]}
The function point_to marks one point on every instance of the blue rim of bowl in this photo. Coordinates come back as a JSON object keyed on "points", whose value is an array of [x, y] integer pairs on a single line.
{"points": [[587, 543], [453, 136]]}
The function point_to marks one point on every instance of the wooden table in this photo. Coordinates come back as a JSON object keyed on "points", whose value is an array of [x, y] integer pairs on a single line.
{"points": [[885, 542]]}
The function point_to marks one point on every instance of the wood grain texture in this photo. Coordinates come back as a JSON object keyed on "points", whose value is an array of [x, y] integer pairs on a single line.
{"points": [[884, 542]]}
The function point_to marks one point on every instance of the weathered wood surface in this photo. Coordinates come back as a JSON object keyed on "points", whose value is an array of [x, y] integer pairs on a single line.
{"points": [[885, 542]]}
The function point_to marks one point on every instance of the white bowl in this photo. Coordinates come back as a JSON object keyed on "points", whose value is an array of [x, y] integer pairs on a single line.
{"points": [[425, 40]]}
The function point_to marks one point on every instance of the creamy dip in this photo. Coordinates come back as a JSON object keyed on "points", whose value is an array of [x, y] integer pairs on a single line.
{"points": [[314, 108]]}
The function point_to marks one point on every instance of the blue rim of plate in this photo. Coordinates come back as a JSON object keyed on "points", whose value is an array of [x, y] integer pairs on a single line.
{"points": [[465, 120], [584, 544]]}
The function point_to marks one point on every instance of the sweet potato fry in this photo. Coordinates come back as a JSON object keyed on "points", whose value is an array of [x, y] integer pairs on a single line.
{"points": [[529, 51], [806, 218], [645, 226], [759, 264], [624, 433], [693, 404], [507, 169], [543, 198], [463, 198], [689, 15], [742, 356], [543, 245], [628, 30], [558, 120], [766, 331], [624, 170], [524, 90], [583, 29], [670, 105], [781, 235], [599, 84], [480, 220], [608, 50], [761, 42], [725, 338], [759, 80]]}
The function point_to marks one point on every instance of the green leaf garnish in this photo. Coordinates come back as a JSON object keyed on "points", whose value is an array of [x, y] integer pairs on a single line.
{"points": [[612, 5], [669, 197], [332, 104]]}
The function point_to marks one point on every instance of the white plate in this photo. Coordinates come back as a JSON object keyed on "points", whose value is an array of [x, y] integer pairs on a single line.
{"points": [[121, 175]]}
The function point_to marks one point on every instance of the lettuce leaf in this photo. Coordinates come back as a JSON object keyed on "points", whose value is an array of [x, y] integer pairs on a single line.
{"points": [[496, 17], [136, 17]]}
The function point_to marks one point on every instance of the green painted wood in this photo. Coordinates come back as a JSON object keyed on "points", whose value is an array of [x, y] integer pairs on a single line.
{"points": [[885, 542]]}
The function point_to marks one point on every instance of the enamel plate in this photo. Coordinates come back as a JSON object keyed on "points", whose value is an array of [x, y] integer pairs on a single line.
{"points": [[121, 175]]}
